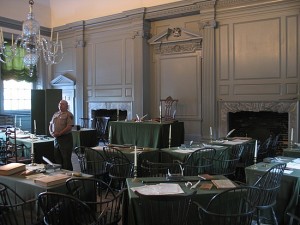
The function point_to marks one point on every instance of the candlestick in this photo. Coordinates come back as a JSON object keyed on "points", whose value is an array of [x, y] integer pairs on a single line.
{"points": [[292, 136], [32, 154], [118, 113], [34, 126], [135, 156], [170, 136]]}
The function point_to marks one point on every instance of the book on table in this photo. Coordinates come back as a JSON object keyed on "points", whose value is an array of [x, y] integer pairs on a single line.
{"points": [[223, 183], [51, 180], [12, 168]]}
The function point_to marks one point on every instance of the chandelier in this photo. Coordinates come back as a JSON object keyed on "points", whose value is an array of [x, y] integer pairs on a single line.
{"points": [[31, 45]]}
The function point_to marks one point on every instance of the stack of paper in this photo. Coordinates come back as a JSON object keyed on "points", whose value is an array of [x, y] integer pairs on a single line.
{"points": [[159, 189]]}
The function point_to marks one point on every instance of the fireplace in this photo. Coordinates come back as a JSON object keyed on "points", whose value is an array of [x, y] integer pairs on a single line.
{"points": [[285, 115]]}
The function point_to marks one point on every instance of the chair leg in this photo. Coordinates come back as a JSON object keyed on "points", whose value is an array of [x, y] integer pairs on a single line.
{"points": [[274, 218]]}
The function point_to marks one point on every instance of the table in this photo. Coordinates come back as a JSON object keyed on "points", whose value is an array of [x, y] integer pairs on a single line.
{"points": [[203, 196], [290, 186], [181, 153], [292, 152], [85, 137], [146, 134], [27, 188], [142, 154]]}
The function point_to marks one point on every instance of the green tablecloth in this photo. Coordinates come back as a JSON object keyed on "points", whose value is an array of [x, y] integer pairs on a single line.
{"points": [[27, 188], [147, 134], [289, 183], [202, 197], [181, 153], [85, 137], [291, 152]]}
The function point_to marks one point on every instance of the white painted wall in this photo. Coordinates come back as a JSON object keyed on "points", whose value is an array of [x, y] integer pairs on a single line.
{"points": [[53, 13]]}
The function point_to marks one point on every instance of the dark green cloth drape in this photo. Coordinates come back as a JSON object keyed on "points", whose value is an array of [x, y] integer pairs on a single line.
{"points": [[15, 69]]}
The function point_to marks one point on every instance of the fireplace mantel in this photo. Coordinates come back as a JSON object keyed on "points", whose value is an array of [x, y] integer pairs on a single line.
{"points": [[290, 107]]}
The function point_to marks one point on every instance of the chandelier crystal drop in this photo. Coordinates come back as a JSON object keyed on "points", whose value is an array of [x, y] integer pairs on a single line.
{"points": [[32, 45]]}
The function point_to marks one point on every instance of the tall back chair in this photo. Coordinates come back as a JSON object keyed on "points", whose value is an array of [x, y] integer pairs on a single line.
{"points": [[245, 160], [234, 206], [14, 150], [14, 210], [91, 161], [101, 127], [199, 162], [164, 209], [269, 184], [99, 197], [169, 108], [225, 164], [61, 209], [167, 164], [119, 167], [3, 154]]}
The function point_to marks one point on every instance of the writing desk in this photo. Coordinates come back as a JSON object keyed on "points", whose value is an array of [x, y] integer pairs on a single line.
{"points": [[289, 188], [27, 188], [203, 196], [146, 134]]}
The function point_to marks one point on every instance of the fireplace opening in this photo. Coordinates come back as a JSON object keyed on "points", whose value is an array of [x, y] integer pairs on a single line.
{"points": [[261, 125]]}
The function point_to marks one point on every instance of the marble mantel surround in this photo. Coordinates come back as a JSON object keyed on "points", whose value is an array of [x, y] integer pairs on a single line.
{"points": [[290, 107]]}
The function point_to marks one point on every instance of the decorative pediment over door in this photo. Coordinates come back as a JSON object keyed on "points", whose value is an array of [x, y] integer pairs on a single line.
{"points": [[176, 40], [62, 80]]}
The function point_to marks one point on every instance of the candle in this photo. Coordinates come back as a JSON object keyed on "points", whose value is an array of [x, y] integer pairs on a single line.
{"points": [[34, 126], [255, 150], [170, 132], [210, 131], [1, 35], [20, 122], [51, 34], [292, 135], [135, 156], [160, 111], [109, 134], [61, 47]]}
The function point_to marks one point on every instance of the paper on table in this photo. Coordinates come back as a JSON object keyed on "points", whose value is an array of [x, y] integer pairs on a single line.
{"points": [[213, 146], [159, 189], [291, 165], [184, 150], [296, 160], [288, 171]]}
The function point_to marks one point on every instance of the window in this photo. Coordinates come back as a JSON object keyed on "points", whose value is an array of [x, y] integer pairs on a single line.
{"points": [[16, 95]]}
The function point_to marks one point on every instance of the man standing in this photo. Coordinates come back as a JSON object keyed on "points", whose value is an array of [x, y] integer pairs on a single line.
{"points": [[60, 128]]}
